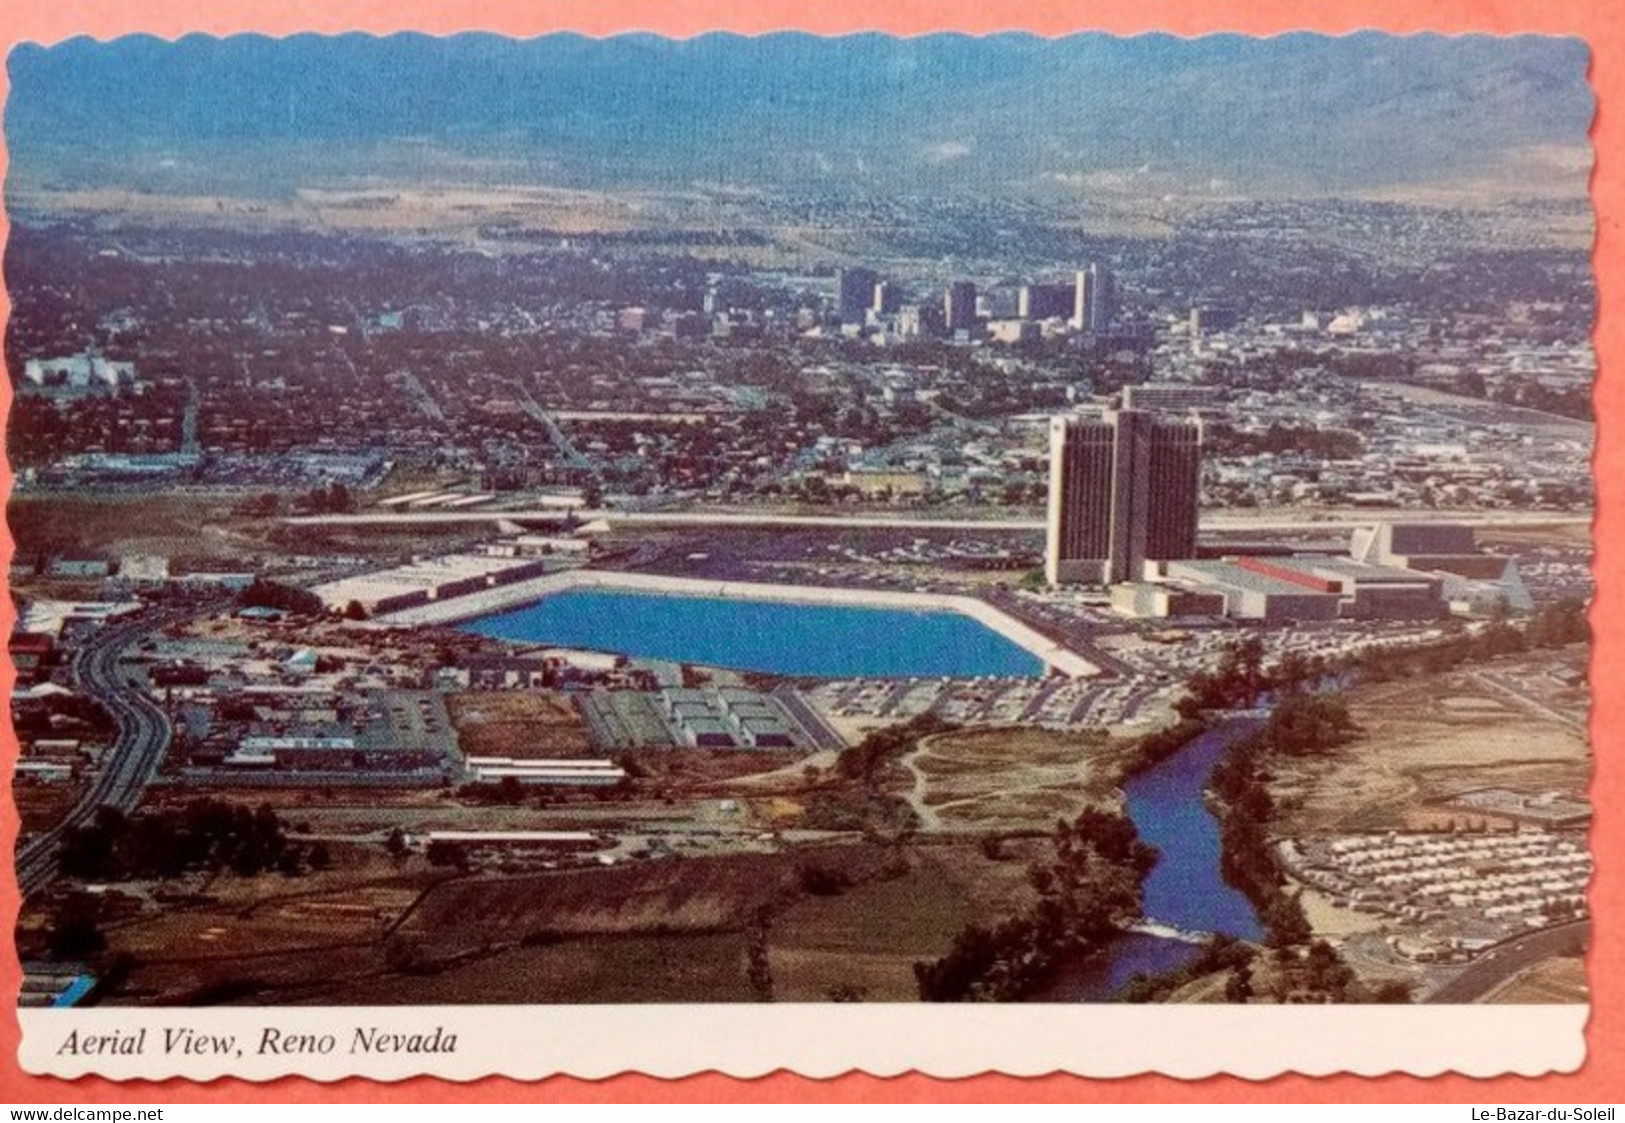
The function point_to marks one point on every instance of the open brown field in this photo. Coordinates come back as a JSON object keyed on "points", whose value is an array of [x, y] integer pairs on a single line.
{"points": [[447, 208], [474, 203], [280, 978], [702, 967], [200, 530], [867, 939], [262, 938], [1432, 736], [377, 930], [1555, 980], [680, 895], [183, 527], [714, 772], [281, 923], [523, 724], [359, 808], [1508, 538], [1011, 779]]}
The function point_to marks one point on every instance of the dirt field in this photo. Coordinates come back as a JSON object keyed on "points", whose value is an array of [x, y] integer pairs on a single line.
{"points": [[374, 930], [708, 967], [219, 930], [1556, 980], [1010, 779], [195, 529], [472, 200], [675, 896], [868, 938], [1430, 737], [1535, 534], [1329, 920], [267, 938], [523, 724]]}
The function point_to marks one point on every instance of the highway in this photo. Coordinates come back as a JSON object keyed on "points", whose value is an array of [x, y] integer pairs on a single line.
{"points": [[142, 735], [1217, 520], [1500, 963]]}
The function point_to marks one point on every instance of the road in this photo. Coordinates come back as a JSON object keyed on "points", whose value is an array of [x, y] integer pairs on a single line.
{"points": [[142, 735], [1523, 698], [1213, 520], [533, 409], [1505, 960]]}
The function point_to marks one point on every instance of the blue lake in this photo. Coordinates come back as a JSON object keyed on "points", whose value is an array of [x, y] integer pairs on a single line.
{"points": [[815, 640]]}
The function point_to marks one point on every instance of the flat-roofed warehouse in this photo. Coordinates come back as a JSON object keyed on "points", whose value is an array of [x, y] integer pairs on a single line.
{"points": [[488, 769], [1279, 589], [564, 840], [424, 580]]}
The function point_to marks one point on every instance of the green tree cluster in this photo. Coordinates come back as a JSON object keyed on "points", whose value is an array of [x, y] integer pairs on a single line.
{"points": [[288, 598], [205, 834], [1089, 889]]}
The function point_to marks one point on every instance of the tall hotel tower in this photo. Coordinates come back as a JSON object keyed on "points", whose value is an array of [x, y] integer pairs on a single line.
{"points": [[1123, 490], [1094, 299]]}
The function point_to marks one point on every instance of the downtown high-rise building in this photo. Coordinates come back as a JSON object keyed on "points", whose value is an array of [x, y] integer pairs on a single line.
{"points": [[1094, 299], [1124, 489], [854, 293], [959, 307], [888, 298], [1045, 301]]}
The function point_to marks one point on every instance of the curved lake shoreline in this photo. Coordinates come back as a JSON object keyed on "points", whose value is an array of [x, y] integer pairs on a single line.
{"points": [[803, 640], [501, 599]]}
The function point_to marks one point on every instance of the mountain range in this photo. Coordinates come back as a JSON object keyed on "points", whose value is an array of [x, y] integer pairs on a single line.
{"points": [[1297, 114]]}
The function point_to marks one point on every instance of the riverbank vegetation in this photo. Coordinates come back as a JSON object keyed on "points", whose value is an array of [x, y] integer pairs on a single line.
{"points": [[1551, 627], [857, 794], [1301, 724]]}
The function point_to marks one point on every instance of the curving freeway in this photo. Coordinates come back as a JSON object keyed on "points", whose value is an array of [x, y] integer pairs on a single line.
{"points": [[142, 735], [1508, 958]]}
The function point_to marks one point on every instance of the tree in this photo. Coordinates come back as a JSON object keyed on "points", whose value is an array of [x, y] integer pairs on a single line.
{"points": [[1091, 887], [74, 931], [1284, 918], [289, 598], [442, 853], [1306, 724], [1239, 986], [1393, 992], [395, 843], [1326, 973], [758, 969]]}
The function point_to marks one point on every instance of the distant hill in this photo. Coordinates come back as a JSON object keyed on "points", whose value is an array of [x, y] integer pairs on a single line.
{"points": [[1298, 114]]}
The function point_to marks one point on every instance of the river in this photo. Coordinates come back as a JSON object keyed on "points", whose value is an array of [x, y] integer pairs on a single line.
{"points": [[1184, 893]]}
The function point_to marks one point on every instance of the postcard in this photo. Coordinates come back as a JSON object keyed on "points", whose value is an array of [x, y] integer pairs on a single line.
{"points": [[549, 554]]}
